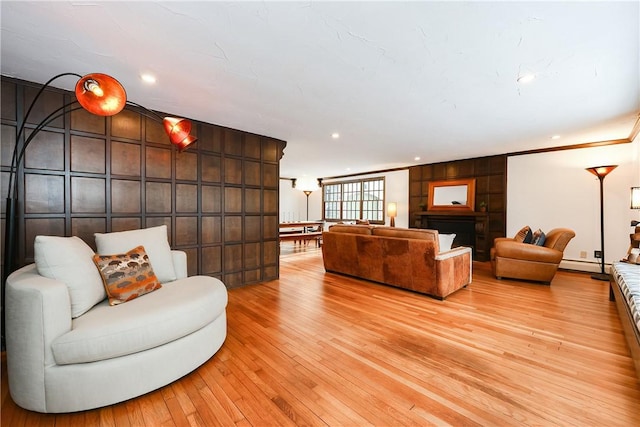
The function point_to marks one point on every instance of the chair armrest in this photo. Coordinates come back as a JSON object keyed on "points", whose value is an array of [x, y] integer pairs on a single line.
{"points": [[454, 252], [527, 251], [459, 251], [38, 310], [502, 239], [179, 263]]}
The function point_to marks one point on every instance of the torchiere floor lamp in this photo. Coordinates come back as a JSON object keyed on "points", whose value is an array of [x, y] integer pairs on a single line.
{"points": [[601, 172], [307, 193]]}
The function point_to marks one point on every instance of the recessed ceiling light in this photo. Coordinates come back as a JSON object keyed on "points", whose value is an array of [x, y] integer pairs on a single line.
{"points": [[526, 78], [148, 78], [416, 158], [555, 137], [335, 135]]}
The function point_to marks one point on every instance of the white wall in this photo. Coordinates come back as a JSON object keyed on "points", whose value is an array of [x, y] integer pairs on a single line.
{"points": [[293, 205], [553, 189]]}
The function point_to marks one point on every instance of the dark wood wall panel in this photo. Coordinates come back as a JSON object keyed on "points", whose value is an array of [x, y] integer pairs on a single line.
{"points": [[252, 231], [211, 230], [158, 163], [187, 167], [82, 120], [88, 195], [126, 125], [123, 224], [88, 155], [46, 151], [125, 159], [43, 194], [125, 197], [85, 174], [211, 168]]}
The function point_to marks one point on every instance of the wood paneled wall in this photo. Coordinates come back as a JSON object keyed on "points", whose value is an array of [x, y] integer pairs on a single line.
{"points": [[491, 187], [85, 174]]}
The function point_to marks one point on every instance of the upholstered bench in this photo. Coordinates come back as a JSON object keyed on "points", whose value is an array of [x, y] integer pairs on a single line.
{"points": [[625, 290]]}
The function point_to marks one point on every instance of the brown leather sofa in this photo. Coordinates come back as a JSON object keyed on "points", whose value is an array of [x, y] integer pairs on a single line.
{"points": [[405, 258], [513, 259]]}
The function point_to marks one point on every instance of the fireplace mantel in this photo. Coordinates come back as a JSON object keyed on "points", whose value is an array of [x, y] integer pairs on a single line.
{"points": [[451, 213]]}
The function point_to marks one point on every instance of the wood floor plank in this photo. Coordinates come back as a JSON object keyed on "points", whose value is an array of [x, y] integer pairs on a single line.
{"points": [[320, 349]]}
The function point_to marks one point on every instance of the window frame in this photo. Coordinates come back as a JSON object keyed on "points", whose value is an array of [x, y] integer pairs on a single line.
{"points": [[341, 203]]}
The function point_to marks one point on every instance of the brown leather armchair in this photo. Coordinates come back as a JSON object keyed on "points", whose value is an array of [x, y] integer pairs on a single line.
{"points": [[513, 259]]}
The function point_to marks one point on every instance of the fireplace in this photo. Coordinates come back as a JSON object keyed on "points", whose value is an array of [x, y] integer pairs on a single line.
{"points": [[469, 228]]}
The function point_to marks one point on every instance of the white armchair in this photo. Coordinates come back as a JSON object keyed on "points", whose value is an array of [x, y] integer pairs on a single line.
{"points": [[109, 354]]}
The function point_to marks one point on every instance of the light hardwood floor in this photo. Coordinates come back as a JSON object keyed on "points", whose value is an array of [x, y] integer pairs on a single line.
{"points": [[321, 349]]}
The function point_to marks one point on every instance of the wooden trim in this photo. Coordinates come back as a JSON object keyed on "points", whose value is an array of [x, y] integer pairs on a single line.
{"points": [[635, 130], [571, 147], [351, 175]]}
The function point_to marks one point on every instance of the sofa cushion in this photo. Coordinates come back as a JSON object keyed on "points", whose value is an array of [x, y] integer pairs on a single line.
{"points": [[68, 259], [445, 241], [406, 233], [178, 309], [126, 276], [352, 229], [154, 239]]}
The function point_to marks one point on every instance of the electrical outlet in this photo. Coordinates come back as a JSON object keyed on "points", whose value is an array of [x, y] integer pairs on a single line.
{"points": [[597, 254], [583, 254]]}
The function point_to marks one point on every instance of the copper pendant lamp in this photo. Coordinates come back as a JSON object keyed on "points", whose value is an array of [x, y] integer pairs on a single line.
{"points": [[179, 131], [186, 142], [101, 94]]}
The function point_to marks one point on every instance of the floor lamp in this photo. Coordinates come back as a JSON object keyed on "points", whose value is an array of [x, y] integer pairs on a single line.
{"points": [[98, 94], [601, 172], [307, 193]]}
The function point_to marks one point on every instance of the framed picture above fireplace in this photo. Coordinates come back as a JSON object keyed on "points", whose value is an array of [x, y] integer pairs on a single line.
{"points": [[452, 195]]}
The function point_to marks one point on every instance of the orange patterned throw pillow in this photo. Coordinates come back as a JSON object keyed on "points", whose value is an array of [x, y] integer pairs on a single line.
{"points": [[126, 276]]}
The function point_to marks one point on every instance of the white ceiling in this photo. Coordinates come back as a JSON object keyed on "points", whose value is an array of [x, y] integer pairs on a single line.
{"points": [[395, 79]]}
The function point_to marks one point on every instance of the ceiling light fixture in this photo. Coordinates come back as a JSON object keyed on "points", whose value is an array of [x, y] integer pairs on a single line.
{"points": [[416, 158], [555, 137], [526, 78], [148, 78], [335, 135]]}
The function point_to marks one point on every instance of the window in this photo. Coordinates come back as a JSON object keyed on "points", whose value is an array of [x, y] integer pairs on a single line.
{"points": [[354, 200]]}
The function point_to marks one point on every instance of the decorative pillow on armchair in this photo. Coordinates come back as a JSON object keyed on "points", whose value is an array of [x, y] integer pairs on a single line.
{"points": [[524, 235], [156, 244], [538, 238], [126, 276]]}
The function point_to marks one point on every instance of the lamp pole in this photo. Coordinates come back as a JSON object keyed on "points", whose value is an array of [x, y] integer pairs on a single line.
{"points": [[307, 193], [601, 172]]}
